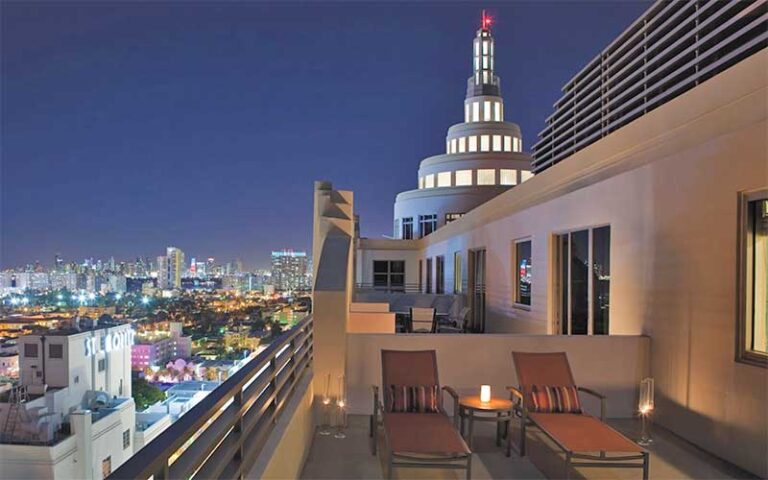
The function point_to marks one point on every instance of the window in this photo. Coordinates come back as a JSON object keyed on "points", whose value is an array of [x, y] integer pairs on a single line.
{"points": [[427, 224], [407, 228], [453, 145], [752, 336], [428, 276], [440, 274], [126, 439], [485, 47], [30, 350], [466, 112], [515, 145], [389, 275], [523, 272], [429, 181], [55, 350], [486, 111], [497, 111], [485, 143], [463, 177], [102, 364], [486, 176], [525, 175], [444, 179], [77, 379], [475, 111], [583, 283], [473, 143], [462, 144], [421, 183], [507, 176], [507, 143], [106, 467], [457, 272], [449, 217], [497, 143], [447, 146]]}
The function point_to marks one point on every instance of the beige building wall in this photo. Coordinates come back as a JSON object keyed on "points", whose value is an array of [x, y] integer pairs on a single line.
{"points": [[667, 184]]}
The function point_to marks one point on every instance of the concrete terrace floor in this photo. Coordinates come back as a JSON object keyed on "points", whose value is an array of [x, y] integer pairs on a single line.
{"points": [[671, 458]]}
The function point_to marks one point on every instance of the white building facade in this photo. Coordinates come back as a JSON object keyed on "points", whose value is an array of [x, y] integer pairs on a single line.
{"points": [[483, 155], [73, 415]]}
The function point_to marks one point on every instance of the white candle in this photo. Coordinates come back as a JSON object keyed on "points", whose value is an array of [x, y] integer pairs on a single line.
{"points": [[485, 393]]}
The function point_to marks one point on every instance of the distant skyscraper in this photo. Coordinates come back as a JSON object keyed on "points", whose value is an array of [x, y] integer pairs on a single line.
{"points": [[289, 270], [170, 268]]}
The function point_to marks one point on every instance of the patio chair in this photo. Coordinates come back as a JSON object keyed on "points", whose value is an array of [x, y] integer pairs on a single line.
{"points": [[458, 324], [417, 431], [557, 413], [423, 320]]}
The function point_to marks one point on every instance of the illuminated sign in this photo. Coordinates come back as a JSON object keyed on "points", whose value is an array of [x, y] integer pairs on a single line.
{"points": [[110, 342]]}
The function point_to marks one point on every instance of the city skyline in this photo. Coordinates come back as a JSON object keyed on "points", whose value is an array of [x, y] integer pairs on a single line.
{"points": [[98, 114]]}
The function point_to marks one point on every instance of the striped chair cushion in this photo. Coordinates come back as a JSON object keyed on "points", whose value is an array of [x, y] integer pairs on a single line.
{"points": [[546, 399], [413, 399]]}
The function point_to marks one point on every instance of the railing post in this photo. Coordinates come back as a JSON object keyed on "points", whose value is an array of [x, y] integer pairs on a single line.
{"points": [[238, 430]]}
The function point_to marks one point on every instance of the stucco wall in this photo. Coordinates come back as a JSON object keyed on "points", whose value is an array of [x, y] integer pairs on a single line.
{"points": [[667, 184], [467, 361]]}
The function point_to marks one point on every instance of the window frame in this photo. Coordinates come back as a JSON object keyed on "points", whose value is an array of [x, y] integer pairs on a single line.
{"points": [[406, 221], [516, 275], [556, 288], [457, 273], [440, 274], [389, 274], [745, 288]]}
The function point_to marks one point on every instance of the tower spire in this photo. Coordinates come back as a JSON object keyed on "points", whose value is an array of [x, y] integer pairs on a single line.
{"points": [[485, 21]]}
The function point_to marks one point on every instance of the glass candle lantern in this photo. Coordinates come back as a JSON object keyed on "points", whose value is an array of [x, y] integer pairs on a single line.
{"points": [[485, 393]]}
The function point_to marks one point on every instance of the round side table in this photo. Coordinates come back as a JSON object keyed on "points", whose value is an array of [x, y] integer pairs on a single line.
{"points": [[496, 410]]}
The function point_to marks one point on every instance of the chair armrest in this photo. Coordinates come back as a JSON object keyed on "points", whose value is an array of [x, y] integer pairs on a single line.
{"points": [[514, 392], [455, 396], [597, 395]]}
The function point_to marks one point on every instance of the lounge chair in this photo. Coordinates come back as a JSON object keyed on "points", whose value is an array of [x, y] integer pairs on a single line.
{"points": [[416, 440], [423, 320], [577, 434]]}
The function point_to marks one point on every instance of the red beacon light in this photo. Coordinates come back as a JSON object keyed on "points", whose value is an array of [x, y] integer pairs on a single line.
{"points": [[486, 21]]}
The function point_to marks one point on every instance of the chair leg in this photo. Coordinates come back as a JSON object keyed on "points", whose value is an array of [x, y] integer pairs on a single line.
{"points": [[522, 437], [469, 467], [646, 465]]}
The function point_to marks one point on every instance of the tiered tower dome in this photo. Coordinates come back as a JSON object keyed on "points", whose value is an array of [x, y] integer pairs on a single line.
{"points": [[483, 158]]}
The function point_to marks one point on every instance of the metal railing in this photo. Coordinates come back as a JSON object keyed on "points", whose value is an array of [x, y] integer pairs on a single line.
{"points": [[222, 436], [406, 288]]}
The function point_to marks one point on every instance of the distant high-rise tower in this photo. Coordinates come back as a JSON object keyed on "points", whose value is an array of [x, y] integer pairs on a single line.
{"points": [[170, 268], [484, 154], [289, 270]]}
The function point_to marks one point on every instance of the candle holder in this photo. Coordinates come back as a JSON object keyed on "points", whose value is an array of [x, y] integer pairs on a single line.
{"points": [[341, 419], [645, 405], [485, 393], [341, 414], [325, 412]]}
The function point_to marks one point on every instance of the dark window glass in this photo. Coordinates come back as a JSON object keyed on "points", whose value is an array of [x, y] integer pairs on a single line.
{"points": [[126, 438], [524, 271], [102, 365], [389, 274], [601, 278], [428, 286], [580, 282], [55, 351], [407, 228], [427, 224], [440, 274], [564, 283], [30, 350]]}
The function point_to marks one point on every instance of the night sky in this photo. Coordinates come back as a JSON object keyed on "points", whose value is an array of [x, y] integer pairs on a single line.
{"points": [[127, 127]]}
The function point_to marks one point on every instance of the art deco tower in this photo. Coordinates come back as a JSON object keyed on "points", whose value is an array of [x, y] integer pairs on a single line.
{"points": [[483, 158]]}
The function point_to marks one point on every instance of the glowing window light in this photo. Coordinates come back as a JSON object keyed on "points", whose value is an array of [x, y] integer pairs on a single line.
{"points": [[473, 143], [508, 176], [462, 144], [485, 143], [475, 111], [466, 113], [486, 176], [463, 178], [444, 179], [486, 111], [525, 175], [507, 143], [429, 181], [497, 111], [453, 145], [497, 143]]}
